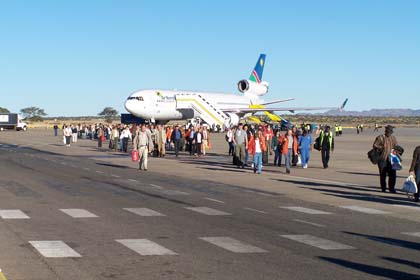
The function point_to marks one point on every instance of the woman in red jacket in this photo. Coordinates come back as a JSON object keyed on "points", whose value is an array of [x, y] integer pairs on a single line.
{"points": [[289, 148], [256, 147]]}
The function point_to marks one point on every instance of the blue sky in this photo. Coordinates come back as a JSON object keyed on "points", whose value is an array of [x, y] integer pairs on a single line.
{"points": [[76, 57]]}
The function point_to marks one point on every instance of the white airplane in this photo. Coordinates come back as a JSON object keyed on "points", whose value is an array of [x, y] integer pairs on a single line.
{"points": [[213, 108]]}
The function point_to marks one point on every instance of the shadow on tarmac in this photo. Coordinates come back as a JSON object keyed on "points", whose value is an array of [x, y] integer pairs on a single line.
{"points": [[386, 273]]}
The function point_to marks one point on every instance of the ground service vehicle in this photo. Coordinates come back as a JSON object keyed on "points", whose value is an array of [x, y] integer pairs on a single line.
{"points": [[11, 121]]}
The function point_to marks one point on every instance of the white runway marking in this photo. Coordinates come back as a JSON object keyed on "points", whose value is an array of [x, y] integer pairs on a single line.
{"points": [[214, 200], [157, 187], [115, 176], [306, 210], [416, 234], [317, 242], [74, 166], [132, 180], [255, 210], [172, 192], [308, 223], [232, 245], [54, 249], [99, 172], [63, 163], [208, 211], [13, 214], [145, 247], [364, 209], [87, 169], [145, 212], [78, 213], [411, 207]]}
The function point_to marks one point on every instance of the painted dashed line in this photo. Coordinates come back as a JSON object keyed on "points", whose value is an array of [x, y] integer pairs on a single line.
{"points": [[87, 169], [144, 212], [145, 247], [306, 210], [54, 249], [415, 234], [172, 192], [13, 214], [364, 209], [156, 186], [308, 223], [78, 213], [232, 245], [214, 200], [411, 207], [317, 242], [132, 180], [255, 210], [115, 176], [208, 211]]}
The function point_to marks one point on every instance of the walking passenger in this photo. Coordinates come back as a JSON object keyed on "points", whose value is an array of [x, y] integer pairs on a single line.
{"points": [[176, 138], [385, 144], [115, 136], [289, 148], [276, 147], [305, 147], [55, 130], [229, 139], [326, 140], [241, 143], [256, 147], [198, 140], [161, 141], [125, 136], [144, 144], [67, 135], [415, 170]]}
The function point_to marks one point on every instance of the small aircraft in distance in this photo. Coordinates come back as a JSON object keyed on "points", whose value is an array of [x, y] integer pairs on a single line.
{"points": [[213, 108]]}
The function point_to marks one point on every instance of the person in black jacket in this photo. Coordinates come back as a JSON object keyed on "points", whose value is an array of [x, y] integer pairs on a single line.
{"points": [[415, 170]]}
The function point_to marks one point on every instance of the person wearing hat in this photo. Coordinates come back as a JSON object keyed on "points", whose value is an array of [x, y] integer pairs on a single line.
{"points": [[385, 143]]}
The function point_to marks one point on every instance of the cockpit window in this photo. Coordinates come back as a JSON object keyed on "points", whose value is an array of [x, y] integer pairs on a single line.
{"points": [[139, 98]]}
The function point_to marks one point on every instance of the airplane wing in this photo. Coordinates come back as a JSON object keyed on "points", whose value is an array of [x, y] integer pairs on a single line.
{"points": [[262, 108]]}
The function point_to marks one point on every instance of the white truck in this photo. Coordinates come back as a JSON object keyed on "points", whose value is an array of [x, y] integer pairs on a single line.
{"points": [[11, 121]]}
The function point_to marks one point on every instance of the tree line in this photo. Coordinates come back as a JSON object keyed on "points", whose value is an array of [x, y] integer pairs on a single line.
{"points": [[36, 114]]}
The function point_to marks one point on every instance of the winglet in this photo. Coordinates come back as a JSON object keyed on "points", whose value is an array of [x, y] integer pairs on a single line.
{"points": [[343, 105]]}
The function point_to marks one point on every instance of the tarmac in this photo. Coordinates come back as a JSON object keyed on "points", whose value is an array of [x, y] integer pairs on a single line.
{"points": [[83, 212]]}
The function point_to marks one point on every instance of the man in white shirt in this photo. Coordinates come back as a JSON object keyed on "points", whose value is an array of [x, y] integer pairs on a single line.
{"points": [[144, 144]]}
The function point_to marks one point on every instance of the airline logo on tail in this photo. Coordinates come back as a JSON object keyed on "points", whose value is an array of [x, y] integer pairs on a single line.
{"points": [[256, 75]]}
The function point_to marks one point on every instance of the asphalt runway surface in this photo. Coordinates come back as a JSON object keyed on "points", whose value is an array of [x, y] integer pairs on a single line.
{"points": [[84, 213]]}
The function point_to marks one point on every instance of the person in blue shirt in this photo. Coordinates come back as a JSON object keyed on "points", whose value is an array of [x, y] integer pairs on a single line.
{"points": [[305, 147], [176, 139]]}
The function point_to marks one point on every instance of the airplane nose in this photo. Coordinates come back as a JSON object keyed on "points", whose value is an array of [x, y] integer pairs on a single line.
{"points": [[129, 106]]}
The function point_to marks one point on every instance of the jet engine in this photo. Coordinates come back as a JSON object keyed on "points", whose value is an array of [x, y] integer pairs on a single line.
{"points": [[247, 86], [233, 119]]}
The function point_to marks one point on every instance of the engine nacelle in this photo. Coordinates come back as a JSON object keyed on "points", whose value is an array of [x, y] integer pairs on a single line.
{"points": [[247, 86], [233, 119]]}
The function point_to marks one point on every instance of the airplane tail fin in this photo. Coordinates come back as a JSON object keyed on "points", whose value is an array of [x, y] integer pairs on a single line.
{"points": [[256, 75], [344, 104]]}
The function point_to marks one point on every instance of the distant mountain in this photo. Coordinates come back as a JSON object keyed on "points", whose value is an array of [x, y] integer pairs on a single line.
{"points": [[374, 113]]}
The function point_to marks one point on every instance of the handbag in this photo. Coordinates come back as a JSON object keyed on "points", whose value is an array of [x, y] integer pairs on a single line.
{"points": [[317, 144], [410, 186], [374, 155], [135, 155]]}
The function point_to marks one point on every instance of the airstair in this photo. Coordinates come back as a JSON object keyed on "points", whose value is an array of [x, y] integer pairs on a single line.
{"points": [[203, 108]]}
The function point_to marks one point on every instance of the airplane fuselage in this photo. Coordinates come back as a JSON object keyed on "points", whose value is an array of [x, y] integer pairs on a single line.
{"points": [[161, 105]]}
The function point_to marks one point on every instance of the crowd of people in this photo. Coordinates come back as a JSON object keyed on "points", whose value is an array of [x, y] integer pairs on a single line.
{"points": [[246, 144], [294, 145]]}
